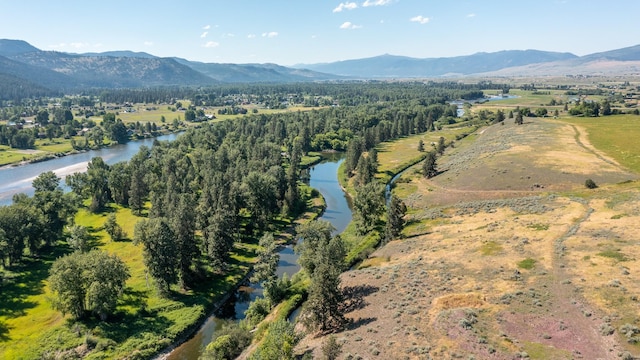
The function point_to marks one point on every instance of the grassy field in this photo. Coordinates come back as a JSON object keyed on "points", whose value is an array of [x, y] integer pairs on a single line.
{"points": [[616, 135]]}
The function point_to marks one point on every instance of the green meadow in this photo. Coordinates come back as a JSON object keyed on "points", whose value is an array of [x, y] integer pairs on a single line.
{"points": [[616, 135]]}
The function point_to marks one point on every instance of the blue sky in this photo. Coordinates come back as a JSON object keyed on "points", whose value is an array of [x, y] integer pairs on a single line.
{"points": [[291, 32]]}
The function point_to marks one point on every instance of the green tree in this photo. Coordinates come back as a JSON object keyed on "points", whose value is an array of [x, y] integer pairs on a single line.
{"points": [[369, 206], [98, 184], [189, 115], [119, 182], [113, 229], [331, 349], [499, 117], [97, 135], [220, 235], [311, 237], [24, 226], [78, 238], [421, 145], [259, 191], [183, 224], [105, 282], [50, 132], [279, 342], [606, 108], [42, 117], [441, 146], [118, 132], [56, 206], [138, 188], [160, 251], [264, 271], [4, 246], [324, 305], [228, 343], [519, 118], [87, 282], [46, 181], [395, 218], [429, 166]]}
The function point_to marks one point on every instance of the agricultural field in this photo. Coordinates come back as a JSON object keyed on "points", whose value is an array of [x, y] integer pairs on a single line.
{"points": [[506, 254]]}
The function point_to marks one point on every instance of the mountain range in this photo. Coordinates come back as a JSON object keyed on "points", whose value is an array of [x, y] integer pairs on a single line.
{"points": [[22, 63]]}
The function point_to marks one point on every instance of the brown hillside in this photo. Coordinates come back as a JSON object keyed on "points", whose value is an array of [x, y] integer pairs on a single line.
{"points": [[506, 255]]}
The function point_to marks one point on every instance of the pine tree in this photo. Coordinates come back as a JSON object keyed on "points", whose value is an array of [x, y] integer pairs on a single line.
{"points": [[429, 166], [395, 218]]}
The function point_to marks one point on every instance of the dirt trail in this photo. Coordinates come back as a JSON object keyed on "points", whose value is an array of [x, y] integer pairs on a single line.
{"points": [[455, 286]]}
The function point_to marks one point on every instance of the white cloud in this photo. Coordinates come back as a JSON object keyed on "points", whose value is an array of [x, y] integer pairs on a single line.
{"points": [[148, 43], [368, 3], [204, 34], [229, 35], [471, 15], [251, 36], [58, 46], [345, 6], [420, 19], [270, 34], [349, 26], [206, 27], [211, 44]]}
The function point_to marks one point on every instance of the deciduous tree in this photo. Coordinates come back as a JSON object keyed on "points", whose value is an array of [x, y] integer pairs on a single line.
{"points": [[160, 251], [369, 206], [87, 282]]}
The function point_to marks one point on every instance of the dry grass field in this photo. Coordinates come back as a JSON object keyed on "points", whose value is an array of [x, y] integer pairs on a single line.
{"points": [[506, 255]]}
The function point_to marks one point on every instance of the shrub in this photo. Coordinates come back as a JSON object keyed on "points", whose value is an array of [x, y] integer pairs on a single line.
{"points": [[590, 184]]}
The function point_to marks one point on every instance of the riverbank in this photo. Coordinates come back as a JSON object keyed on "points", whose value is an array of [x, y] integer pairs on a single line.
{"points": [[190, 345], [50, 151]]}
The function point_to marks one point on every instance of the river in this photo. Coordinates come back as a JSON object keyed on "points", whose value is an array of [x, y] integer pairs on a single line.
{"points": [[18, 179], [324, 178]]}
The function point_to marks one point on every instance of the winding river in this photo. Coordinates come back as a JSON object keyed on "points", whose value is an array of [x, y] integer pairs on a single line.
{"points": [[324, 178]]}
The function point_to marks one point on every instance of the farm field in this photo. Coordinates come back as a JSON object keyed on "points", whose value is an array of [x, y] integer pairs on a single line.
{"points": [[506, 254]]}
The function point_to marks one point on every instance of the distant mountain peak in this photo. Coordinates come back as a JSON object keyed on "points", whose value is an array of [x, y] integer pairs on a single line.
{"points": [[10, 47]]}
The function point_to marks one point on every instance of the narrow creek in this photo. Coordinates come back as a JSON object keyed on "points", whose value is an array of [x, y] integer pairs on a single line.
{"points": [[324, 178]]}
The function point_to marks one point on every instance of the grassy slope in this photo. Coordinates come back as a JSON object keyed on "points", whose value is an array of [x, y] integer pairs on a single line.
{"points": [[460, 256]]}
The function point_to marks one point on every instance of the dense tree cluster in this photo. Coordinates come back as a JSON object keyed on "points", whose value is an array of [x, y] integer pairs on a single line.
{"points": [[31, 224]]}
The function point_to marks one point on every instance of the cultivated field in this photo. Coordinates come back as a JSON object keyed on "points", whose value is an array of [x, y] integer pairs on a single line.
{"points": [[506, 254]]}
